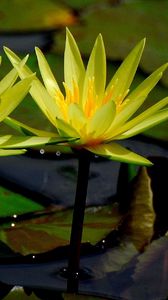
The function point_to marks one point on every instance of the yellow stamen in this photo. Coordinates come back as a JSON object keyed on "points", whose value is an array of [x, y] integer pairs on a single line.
{"points": [[59, 95], [108, 95], [60, 101], [90, 105], [120, 102]]}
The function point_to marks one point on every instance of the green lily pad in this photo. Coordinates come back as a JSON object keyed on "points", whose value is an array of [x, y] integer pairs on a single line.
{"points": [[39, 14], [17, 293], [28, 236], [13, 203]]}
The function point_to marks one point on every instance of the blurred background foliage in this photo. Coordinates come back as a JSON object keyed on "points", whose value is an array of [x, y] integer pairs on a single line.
{"points": [[122, 23]]}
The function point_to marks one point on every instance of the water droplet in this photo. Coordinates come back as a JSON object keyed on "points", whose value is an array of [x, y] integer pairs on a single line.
{"points": [[58, 153], [14, 216], [13, 224], [96, 156], [42, 151], [33, 256]]}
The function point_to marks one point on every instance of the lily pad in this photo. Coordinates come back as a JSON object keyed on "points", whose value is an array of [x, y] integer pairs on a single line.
{"points": [[13, 203], [28, 236], [38, 15], [18, 293]]}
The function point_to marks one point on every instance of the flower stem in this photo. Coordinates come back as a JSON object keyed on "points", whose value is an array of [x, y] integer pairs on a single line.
{"points": [[77, 221]]}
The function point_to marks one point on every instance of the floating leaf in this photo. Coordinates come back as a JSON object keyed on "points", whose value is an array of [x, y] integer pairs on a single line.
{"points": [[14, 203], [29, 236], [18, 293]]}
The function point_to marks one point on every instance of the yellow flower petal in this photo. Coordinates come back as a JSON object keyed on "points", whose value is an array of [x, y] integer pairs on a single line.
{"points": [[27, 130], [66, 130], [102, 119], [122, 117], [125, 74], [13, 96], [8, 81], [4, 139], [37, 91], [76, 116], [143, 116], [6, 152], [45, 101], [148, 84], [135, 100], [27, 142], [114, 151], [46, 73], [146, 124], [96, 70], [74, 70]]}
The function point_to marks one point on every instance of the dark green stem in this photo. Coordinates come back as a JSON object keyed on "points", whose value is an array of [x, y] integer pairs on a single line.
{"points": [[77, 221]]}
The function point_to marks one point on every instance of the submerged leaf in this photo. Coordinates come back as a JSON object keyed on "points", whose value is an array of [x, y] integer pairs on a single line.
{"points": [[141, 216], [150, 273]]}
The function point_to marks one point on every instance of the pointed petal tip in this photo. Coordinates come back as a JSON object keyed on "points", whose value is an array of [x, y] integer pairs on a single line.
{"points": [[7, 49], [99, 39], [164, 67], [141, 44], [4, 47], [67, 30], [68, 33], [143, 40], [148, 163], [37, 50], [100, 36], [160, 70]]}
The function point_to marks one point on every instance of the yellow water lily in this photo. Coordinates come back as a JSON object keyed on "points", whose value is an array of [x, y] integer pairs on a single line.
{"points": [[11, 94], [96, 115]]}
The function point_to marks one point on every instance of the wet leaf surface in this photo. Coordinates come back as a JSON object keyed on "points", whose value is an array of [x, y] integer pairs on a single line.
{"points": [[51, 231], [150, 273], [12, 203]]}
